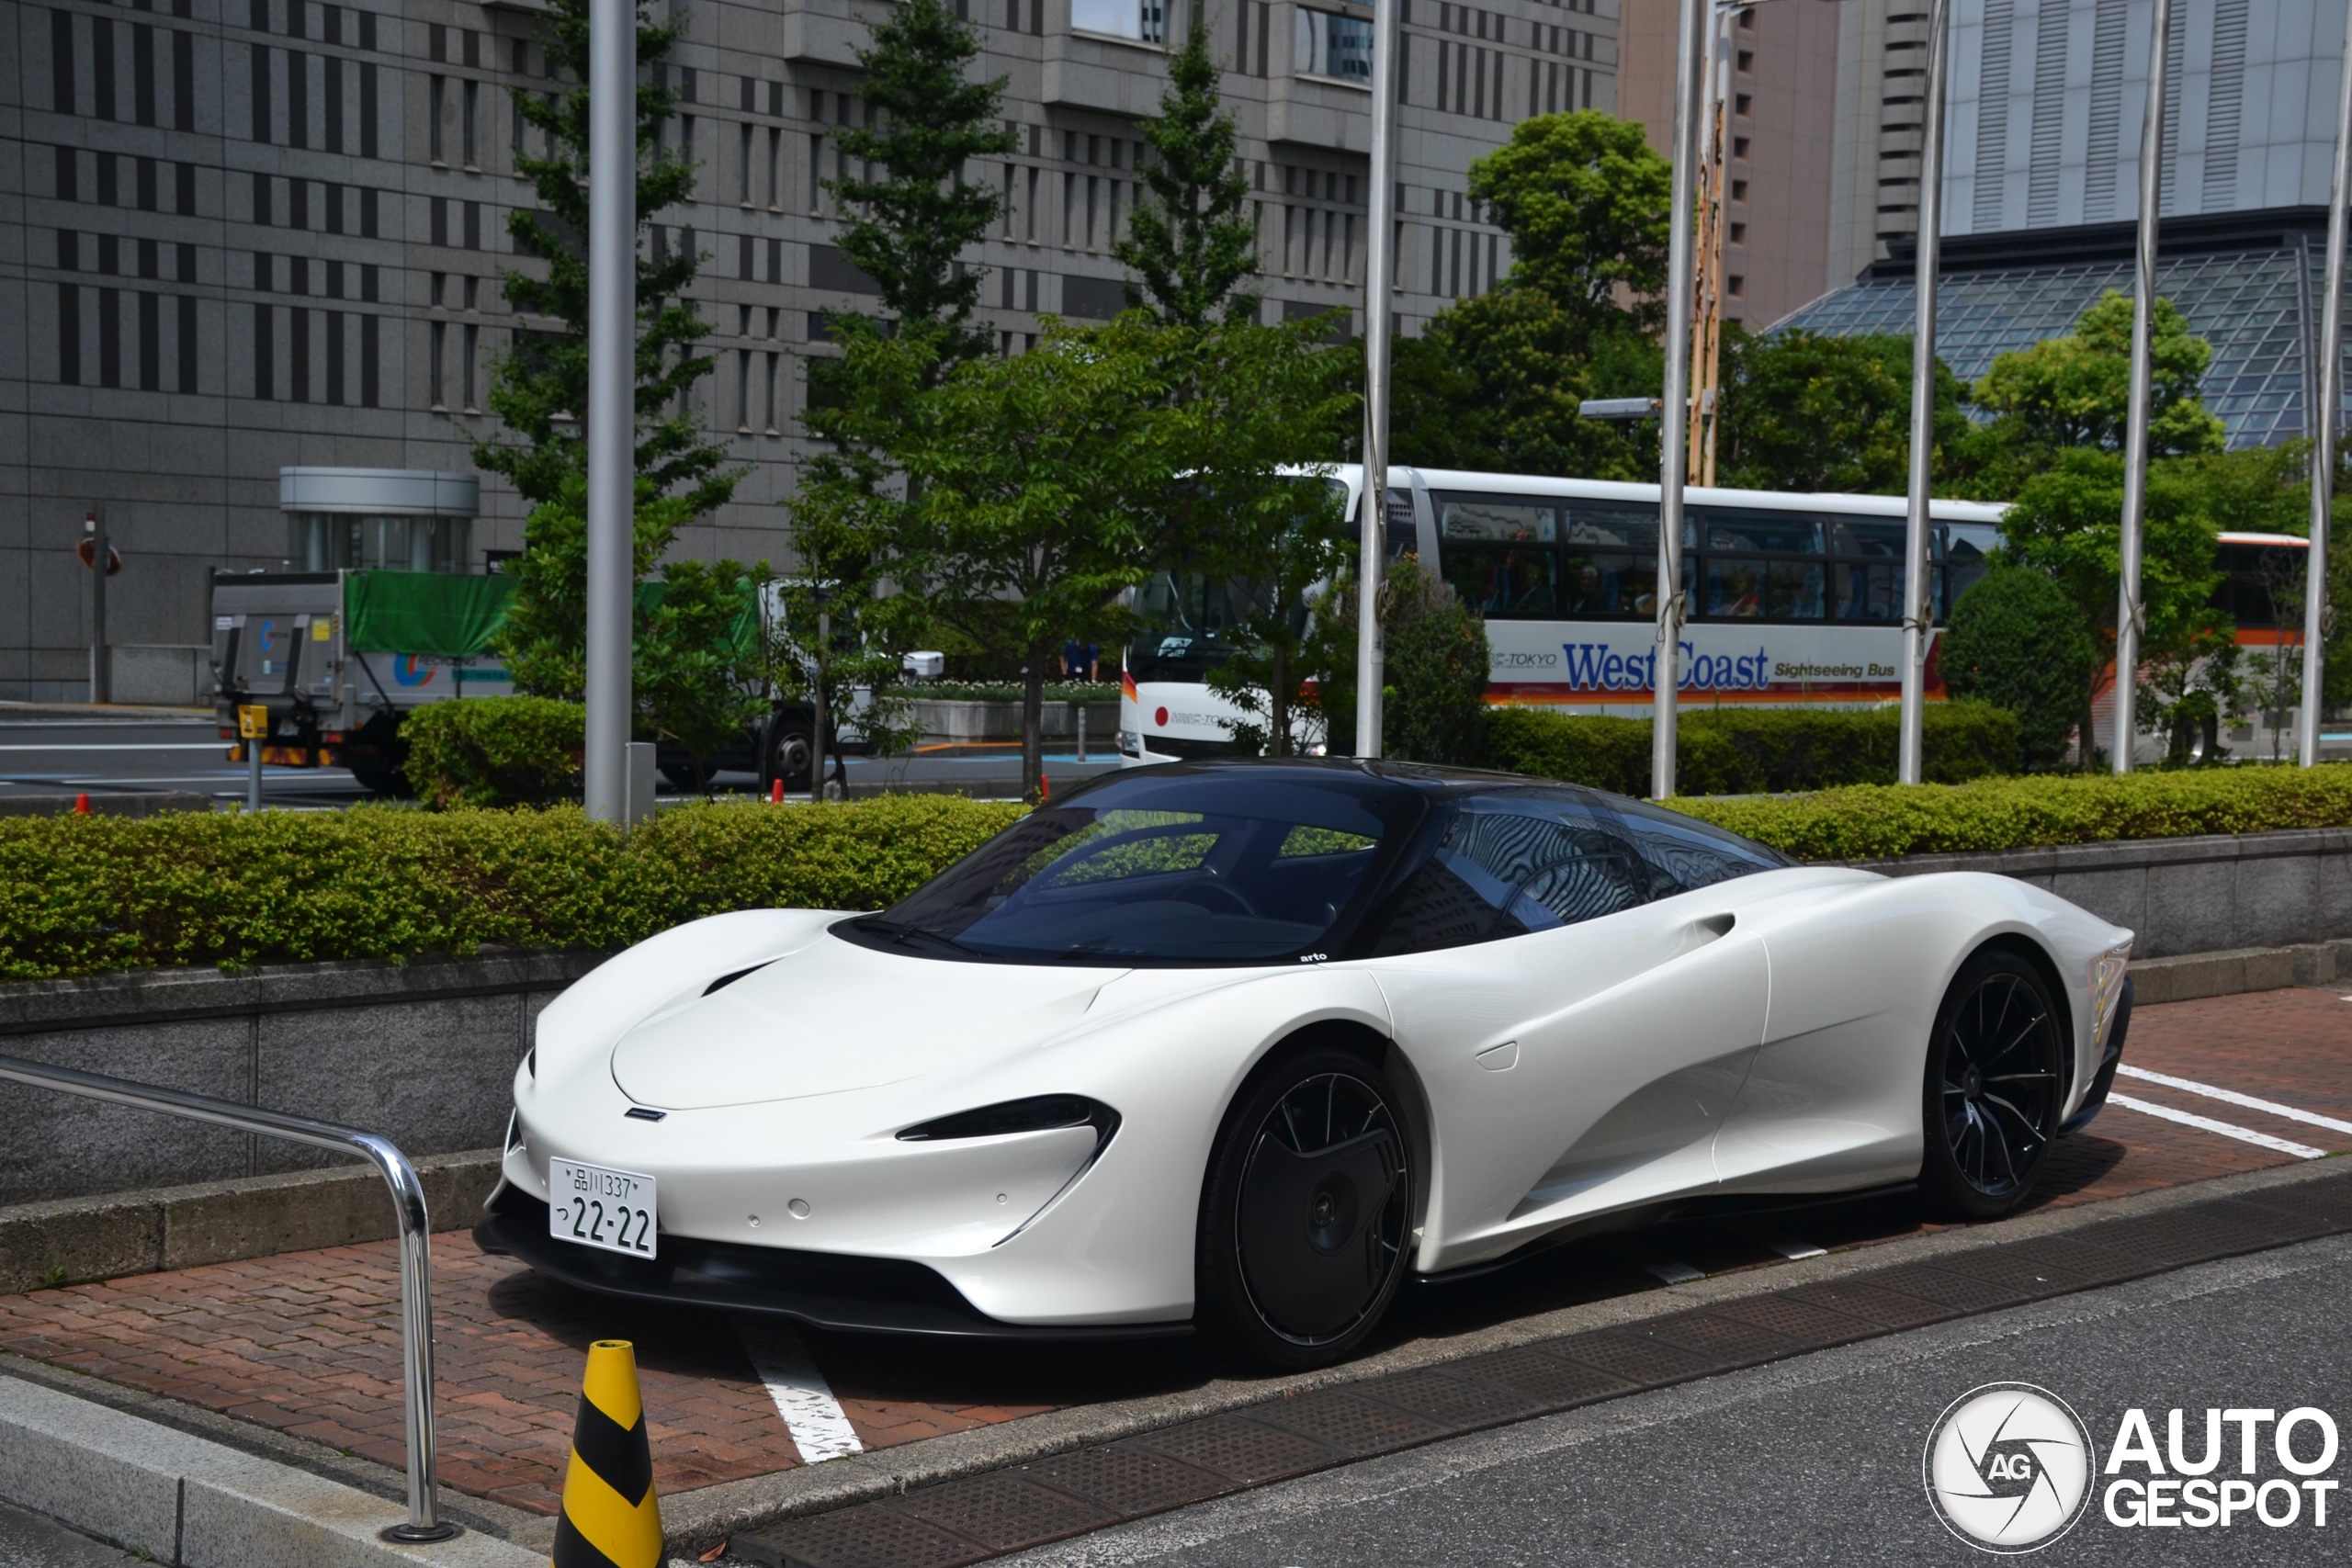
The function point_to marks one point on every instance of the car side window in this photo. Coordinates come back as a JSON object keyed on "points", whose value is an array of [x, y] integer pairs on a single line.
{"points": [[1684, 853], [1510, 864]]}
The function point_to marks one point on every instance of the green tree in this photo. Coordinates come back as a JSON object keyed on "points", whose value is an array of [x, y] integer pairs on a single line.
{"points": [[1190, 239], [1799, 411], [2076, 391], [539, 391], [909, 226], [1494, 382], [1276, 601], [1433, 675], [1045, 484], [1585, 202], [2018, 641], [2067, 523]]}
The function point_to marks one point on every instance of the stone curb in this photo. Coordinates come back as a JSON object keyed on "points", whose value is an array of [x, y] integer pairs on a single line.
{"points": [[187, 1500], [72, 1241], [692, 1520], [2235, 971]]}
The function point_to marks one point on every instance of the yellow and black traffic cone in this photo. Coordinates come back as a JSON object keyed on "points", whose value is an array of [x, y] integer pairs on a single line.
{"points": [[610, 1518]]}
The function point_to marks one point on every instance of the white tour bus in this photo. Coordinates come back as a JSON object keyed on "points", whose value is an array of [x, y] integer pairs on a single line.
{"points": [[1792, 598]]}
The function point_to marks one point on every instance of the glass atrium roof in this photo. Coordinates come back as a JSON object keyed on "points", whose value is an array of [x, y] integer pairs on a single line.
{"points": [[2250, 305]]}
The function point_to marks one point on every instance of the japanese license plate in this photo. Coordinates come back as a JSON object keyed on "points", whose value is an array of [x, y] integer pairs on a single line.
{"points": [[611, 1208]]}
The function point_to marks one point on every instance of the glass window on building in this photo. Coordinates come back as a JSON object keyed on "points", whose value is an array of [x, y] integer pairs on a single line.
{"points": [[331, 541], [1143, 21], [1333, 45]]}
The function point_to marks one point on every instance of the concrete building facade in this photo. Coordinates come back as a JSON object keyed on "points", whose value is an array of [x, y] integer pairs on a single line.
{"points": [[1780, 134], [243, 235]]}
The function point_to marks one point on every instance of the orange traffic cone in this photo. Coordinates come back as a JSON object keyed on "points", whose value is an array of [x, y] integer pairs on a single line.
{"points": [[82, 804], [610, 1518], [776, 793]]}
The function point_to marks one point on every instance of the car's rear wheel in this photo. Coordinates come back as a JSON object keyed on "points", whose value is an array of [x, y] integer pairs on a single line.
{"points": [[1307, 1214], [1996, 1081]]}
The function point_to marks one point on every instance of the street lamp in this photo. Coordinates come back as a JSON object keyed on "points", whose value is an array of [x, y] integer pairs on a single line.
{"points": [[2330, 381], [1379, 268], [2129, 616], [612, 414], [1917, 600]]}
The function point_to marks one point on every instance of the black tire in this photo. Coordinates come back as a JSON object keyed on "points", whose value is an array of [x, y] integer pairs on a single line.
{"points": [[681, 775], [1307, 1213], [392, 784], [1995, 1077], [789, 753]]}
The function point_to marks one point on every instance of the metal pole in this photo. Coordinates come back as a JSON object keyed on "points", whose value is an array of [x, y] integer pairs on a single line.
{"points": [[408, 1203], [253, 774], [1918, 612], [821, 719], [101, 678], [611, 413], [1379, 270], [2329, 413], [1674, 421], [2129, 618]]}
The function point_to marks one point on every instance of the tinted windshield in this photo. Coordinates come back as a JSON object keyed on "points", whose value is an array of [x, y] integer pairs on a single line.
{"points": [[1169, 868]]}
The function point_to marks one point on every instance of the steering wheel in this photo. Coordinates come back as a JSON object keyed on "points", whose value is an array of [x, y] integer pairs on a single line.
{"points": [[1239, 900]]}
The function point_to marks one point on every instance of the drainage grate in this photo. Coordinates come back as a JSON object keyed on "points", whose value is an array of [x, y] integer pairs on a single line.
{"points": [[1126, 1480], [982, 1516], [1240, 1449], [1005, 1514], [1355, 1427]]}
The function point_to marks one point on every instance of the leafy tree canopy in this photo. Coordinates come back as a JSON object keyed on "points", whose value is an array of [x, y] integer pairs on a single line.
{"points": [[1189, 238], [910, 224], [1586, 203], [1494, 382], [2075, 391], [2018, 641], [1799, 411]]}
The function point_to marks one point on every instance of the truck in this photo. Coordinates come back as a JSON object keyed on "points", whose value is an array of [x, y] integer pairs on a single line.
{"points": [[319, 668]]}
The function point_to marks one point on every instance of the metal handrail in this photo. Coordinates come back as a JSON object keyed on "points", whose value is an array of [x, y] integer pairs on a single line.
{"points": [[408, 1203]]}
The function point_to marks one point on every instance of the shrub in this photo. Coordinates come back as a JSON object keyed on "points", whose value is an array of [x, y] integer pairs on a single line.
{"points": [[1870, 821], [2018, 641], [496, 751], [1434, 673], [83, 893], [1753, 751]]}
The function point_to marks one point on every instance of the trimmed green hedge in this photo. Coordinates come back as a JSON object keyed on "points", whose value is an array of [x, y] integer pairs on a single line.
{"points": [[1870, 821], [1753, 751], [82, 894]]}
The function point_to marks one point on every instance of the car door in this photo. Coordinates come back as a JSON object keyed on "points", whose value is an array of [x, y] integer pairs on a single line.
{"points": [[1580, 1036]]}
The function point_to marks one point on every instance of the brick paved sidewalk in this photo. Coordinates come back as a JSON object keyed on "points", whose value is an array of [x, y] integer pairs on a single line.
{"points": [[309, 1343]]}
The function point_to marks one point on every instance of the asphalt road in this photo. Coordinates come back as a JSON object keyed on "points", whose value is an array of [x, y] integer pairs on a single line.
{"points": [[53, 755], [1818, 1460]]}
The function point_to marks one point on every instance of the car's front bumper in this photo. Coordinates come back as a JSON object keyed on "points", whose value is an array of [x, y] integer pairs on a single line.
{"points": [[818, 1288]]}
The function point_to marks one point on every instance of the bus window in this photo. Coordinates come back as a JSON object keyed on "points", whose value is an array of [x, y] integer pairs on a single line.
{"points": [[1962, 547], [1610, 571], [1867, 590], [1778, 533], [1185, 623], [2262, 585], [1877, 541], [1500, 557]]}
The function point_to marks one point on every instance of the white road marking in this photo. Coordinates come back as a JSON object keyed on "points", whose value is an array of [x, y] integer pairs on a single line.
{"points": [[2233, 1097], [820, 1429], [2244, 1135], [1787, 1246]]}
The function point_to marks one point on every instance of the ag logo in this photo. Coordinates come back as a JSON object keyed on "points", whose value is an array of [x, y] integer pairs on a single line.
{"points": [[2008, 1467]]}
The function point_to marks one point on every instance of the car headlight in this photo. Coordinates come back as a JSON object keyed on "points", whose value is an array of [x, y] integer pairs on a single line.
{"points": [[1130, 743], [2107, 988]]}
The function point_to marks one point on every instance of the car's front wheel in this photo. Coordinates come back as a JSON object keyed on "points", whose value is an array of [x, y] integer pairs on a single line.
{"points": [[1307, 1215], [1994, 1083]]}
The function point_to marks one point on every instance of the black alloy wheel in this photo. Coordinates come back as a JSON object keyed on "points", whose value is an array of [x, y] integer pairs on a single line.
{"points": [[1307, 1214], [1996, 1079]]}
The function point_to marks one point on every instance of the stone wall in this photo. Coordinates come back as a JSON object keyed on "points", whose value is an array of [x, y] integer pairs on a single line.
{"points": [[422, 1053], [2200, 894]]}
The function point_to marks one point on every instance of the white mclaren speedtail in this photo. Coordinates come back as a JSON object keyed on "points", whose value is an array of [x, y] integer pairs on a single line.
{"points": [[1240, 1045]]}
